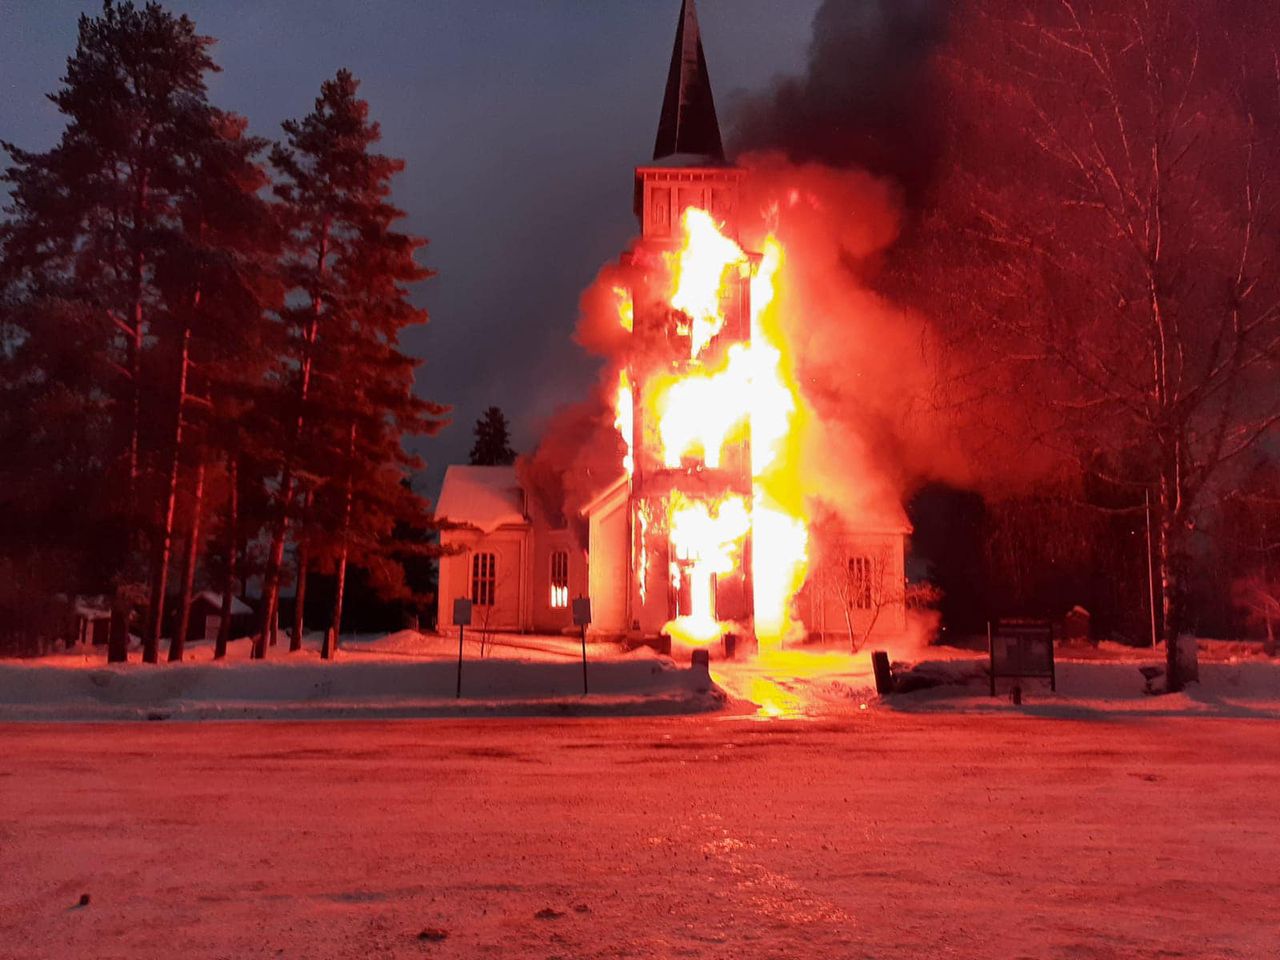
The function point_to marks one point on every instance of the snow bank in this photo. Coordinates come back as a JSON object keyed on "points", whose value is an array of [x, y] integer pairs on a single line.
{"points": [[1102, 687], [299, 686], [808, 683]]}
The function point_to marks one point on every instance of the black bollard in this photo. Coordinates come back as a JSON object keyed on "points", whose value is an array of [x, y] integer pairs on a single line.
{"points": [[884, 677]]}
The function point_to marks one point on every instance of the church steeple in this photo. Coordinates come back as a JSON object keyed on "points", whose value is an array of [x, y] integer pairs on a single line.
{"points": [[688, 125]]}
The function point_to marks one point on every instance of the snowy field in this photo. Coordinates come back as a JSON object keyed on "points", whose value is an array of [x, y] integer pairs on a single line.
{"points": [[881, 834]]}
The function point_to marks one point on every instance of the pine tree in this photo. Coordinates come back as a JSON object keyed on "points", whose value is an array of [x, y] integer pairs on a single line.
{"points": [[350, 386], [492, 447], [219, 278], [89, 221]]}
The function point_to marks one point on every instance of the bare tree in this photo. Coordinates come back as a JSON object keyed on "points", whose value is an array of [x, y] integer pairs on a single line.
{"points": [[863, 583], [1104, 237]]}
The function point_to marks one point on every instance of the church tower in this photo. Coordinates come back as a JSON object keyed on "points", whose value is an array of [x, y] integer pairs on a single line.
{"points": [[689, 167], [689, 170]]}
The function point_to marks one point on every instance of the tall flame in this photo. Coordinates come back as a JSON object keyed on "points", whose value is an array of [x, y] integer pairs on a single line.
{"points": [[699, 272], [624, 420], [704, 405]]}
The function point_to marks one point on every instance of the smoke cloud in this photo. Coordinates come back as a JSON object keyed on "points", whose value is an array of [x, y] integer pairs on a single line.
{"points": [[834, 157], [866, 99]]}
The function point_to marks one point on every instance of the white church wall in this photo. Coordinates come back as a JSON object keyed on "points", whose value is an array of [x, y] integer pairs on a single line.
{"points": [[609, 580]]}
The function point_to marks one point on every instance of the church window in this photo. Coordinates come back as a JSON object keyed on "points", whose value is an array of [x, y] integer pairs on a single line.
{"points": [[559, 579], [861, 572], [484, 576]]}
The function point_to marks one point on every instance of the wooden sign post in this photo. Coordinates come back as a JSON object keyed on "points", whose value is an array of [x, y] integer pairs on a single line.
{"points": [[582, 617], [461, 620]]}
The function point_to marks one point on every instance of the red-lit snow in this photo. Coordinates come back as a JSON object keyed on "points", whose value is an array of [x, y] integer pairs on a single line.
{"points": [[884, 834], [405, 674]]}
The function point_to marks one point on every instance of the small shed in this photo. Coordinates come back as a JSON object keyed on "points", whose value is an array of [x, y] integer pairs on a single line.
{"points": [[93, 620], [206, 616]]}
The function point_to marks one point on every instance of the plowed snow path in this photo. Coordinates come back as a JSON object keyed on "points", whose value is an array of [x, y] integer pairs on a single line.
{"points": [[879, 835]]}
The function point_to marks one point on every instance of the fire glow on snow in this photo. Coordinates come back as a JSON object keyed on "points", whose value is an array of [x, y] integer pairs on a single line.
{"points": [[702, 405]]}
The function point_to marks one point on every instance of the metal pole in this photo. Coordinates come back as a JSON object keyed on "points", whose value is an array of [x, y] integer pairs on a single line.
{"points": [[584, 659], [1151, 571], [460, 630]]}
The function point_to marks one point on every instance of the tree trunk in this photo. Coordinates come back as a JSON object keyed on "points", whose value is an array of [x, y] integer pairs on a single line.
{"points": [[134, 341], [228, 588], [275, 559], [164, 545], [179, 642], [300, 597], [118, 632], [330, 646], [1171, 587], [331, 636], [271, 576]]}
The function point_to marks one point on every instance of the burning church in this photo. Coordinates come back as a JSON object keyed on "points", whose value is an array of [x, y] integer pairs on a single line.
{"points": [[712, 526]]}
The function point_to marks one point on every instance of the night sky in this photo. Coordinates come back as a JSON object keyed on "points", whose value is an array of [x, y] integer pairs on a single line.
{"points": [[520, 121]]}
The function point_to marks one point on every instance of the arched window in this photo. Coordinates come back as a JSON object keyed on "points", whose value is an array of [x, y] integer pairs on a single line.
{"points": [[559, 579], [862, 571], [484, 575]]}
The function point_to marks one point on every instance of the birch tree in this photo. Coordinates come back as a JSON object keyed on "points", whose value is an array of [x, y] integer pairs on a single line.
{"points": [[1103, 238]]}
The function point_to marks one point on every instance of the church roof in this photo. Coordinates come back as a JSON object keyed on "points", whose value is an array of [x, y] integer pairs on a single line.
{"points": [[482, 497], [688, 123]]}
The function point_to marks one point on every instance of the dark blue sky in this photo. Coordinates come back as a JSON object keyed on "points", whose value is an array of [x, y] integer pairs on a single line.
{"points": [[520, 121]]}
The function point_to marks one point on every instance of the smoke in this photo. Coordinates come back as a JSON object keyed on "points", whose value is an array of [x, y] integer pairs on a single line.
{"points": [[866, 368], [866, 98], [579, 455]]}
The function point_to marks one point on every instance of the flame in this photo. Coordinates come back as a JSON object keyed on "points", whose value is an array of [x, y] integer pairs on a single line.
{"points": [[698, 414], [706, 542], [624, 420], [626, 308], [699, 409], [781, 531], [700, 271]]}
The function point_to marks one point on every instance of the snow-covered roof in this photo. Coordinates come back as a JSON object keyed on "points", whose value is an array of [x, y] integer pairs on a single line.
{"points": [[92, 608], [214, 598], [482, 497]]}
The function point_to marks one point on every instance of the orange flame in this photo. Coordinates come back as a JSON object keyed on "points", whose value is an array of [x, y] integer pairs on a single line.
{"points": [[700, 272], [624, 420], [626, 308], [706, 541], [750, 393]]}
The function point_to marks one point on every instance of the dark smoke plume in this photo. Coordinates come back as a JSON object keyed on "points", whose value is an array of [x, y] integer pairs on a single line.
{"points": [[866, 98]]}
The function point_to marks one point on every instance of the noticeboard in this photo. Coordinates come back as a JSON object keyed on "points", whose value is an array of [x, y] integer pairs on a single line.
{"points": [[1022, 648], [582, 611], [462, 612]]}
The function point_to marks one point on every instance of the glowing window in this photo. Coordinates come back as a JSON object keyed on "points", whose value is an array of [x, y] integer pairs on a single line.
{"points": [[559, 578], [484, 576]]}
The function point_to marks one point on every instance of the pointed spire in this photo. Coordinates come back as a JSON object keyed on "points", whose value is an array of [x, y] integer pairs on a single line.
{"points": [[688, 124]]}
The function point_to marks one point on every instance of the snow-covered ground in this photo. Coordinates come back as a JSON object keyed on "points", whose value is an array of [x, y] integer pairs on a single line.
{"points": [[1235, 680], [412, 674], [407, 674], [884, 834]]}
